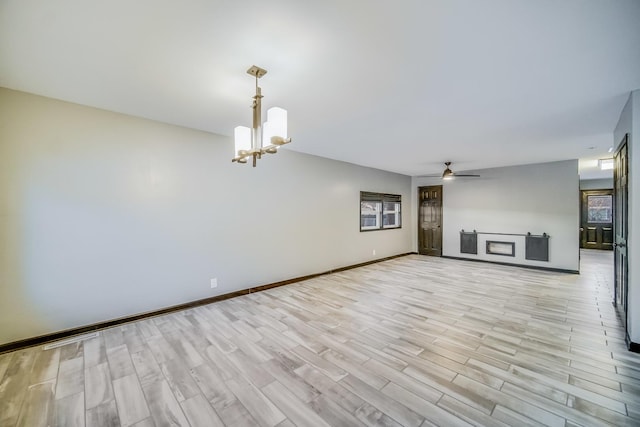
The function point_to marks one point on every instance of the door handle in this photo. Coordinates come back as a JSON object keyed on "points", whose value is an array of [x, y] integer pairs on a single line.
{"points": [[620, 245]]}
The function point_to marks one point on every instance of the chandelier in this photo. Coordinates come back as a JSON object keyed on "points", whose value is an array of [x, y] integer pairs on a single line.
{"points": [[261, 138]]}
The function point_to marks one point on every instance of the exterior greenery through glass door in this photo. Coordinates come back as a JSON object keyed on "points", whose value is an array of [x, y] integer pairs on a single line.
{"points": [[379, 211]]}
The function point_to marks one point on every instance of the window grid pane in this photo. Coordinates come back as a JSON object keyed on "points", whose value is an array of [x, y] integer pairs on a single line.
{"points": [[391, 217], [370, 215], [599, 209]]}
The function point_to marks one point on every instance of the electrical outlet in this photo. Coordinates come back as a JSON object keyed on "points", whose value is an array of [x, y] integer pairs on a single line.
{"points": [[374, 251], [214, 283]]}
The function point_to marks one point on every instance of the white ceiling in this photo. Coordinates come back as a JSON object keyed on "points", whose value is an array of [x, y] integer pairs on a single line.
{"points": [[397, 85]]}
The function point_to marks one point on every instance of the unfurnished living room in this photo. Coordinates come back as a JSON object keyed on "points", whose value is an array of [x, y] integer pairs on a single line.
{"points": [[337, 213]]}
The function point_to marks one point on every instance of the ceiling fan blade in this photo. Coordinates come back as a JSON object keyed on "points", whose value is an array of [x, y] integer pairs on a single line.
{"points": [[464, 174], [433, 175]]}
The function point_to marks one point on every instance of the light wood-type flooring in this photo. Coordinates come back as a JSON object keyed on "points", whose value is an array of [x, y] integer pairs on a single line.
{"points": [[414, 341]]}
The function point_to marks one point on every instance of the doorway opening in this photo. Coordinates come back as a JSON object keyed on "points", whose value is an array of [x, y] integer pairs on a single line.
{"points": [[596, 219]]}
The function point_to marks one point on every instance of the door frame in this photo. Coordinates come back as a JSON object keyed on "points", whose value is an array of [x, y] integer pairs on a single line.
{"points": [[583, 217]]}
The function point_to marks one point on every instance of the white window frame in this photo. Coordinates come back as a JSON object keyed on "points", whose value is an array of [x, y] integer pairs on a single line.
{"points": [[368, 198]]}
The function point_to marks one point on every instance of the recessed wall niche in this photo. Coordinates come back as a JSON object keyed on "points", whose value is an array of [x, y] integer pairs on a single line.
{"points": [[501, 248]]}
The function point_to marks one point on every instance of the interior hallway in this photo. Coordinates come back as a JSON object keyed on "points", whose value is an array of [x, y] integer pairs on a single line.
{"points": [[411, 341]]}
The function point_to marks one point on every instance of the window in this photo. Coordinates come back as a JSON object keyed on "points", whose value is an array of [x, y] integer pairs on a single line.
{"points": [[599, 209], [379, 211]]}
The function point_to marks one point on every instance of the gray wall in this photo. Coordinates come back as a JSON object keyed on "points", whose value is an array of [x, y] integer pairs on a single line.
{"points": [[596, 184], [537, 198], [104, 215], [630, 123]]}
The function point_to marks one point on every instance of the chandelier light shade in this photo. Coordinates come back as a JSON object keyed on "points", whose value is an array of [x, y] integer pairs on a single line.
{"points": [[277, 125], [260, 138], [243, 139]]}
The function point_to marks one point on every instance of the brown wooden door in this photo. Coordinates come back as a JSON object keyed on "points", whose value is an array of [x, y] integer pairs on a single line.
{"points": [[430, 220], [596, 219], [620, 172]]}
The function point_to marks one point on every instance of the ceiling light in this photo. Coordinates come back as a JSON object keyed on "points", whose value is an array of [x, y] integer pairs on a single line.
{"points": [[605, 164], [261, 138], [610, 150]]}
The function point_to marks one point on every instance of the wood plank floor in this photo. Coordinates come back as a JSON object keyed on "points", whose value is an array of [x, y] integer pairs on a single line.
{"points": [[414, 341]]}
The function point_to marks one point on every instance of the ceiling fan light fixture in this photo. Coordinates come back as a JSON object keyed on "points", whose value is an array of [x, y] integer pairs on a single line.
{"points": [[448, 173]]}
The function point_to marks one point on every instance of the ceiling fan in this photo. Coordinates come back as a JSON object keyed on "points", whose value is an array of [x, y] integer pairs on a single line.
{"points": [[449, 174]]}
